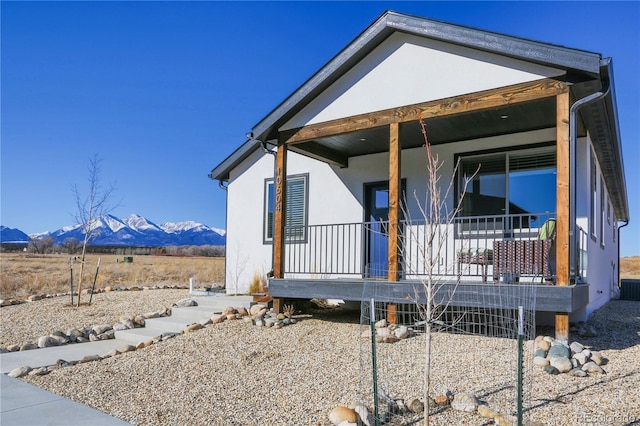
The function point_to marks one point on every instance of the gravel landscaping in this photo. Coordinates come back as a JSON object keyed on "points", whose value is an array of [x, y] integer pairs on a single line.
{"points": [[235, 373]]}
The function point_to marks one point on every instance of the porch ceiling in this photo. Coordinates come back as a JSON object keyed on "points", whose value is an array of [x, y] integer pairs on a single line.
{"points": [[520, 117]]}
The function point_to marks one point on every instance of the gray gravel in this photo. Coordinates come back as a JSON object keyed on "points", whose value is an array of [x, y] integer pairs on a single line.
{"points": [[237, 374]]}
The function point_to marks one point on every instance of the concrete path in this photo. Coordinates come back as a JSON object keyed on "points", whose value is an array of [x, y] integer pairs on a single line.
{"points": [[25, 404]]}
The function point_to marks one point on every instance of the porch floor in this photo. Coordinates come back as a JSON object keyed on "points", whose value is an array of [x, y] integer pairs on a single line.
{"points": [[548, 298]]}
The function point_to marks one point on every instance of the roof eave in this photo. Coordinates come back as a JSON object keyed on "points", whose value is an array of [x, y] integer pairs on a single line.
{"points": [[573, 60], [221, 171]]}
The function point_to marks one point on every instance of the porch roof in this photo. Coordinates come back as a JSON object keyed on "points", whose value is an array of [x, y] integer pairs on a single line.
{"points": [[585, 70]]}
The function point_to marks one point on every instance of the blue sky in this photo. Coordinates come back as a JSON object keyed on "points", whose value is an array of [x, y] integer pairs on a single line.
{"points": [[164, 91]]}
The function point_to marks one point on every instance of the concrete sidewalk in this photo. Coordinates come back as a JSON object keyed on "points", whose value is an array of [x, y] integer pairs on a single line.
{"points": [[25, 404]]}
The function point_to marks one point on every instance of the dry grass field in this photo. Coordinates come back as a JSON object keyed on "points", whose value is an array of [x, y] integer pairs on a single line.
{"points": [[25, 274], [630, 267]]}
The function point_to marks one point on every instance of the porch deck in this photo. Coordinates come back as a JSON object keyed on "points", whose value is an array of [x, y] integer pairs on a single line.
{"points": [[549, 298]]}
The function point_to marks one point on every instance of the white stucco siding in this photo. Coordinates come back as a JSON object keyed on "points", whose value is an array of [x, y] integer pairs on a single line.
{"points": [[602, 248], [245, 253], [406, 69]]}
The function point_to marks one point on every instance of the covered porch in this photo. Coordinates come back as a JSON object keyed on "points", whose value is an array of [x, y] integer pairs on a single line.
{"points": [[477, 249]]}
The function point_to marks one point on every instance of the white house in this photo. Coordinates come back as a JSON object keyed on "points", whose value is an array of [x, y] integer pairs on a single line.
{"points": [[322, 193]]}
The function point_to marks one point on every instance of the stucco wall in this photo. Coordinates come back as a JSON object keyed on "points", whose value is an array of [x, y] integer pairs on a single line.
{"points": [[335, 195]]}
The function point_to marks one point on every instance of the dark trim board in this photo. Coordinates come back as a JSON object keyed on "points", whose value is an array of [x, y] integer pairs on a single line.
{"points": [[549, 298]]}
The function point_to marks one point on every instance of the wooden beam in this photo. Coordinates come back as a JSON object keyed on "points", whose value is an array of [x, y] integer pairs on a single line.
{"points": [[316, 151], [394, 200], [493, 98], [562, 326], [280, 212], [563, 226], [563, 204]]}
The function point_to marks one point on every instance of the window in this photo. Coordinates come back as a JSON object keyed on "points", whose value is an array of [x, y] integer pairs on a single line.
{"points": [[592, 198], [297, 200], [516, 183]]}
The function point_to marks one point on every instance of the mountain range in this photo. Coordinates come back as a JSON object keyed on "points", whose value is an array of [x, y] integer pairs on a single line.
{"points": [[132, 231]]}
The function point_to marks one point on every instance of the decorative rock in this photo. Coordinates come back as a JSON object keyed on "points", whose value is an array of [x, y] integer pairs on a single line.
{"points": [[549, 339], [550, 369], [217, 318], [35, 297], [13, 348], [74, 333], [82, 339], [539, 353], [486, 411], [112, 352], [402, 332], [205, 322], [28, 346], [465, 401], [127, 348], [390, 339], [441, 400], [232, 317], [381, 324], [562, 364], [185, 303], [341, 414], [192, 327], [119, 327], [47, 342], [597, 357], [580, 358], [259, 322], [543, 345], [228, 311], [363, 412], [505, 420], [540, 361], [592, 367], [576, 347], [139, 320], [108, 289], [383, 332], [99, 329], [242, 311], [559, 349], [257, 309], [578, 372], [42, 371], [129, 324], [416, 406], [90, 358], [149, 315], [19, 372]]}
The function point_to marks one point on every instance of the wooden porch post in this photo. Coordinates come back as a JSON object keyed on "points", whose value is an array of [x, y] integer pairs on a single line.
{"points": [[394, 201], [280, 214], [562, 207]]}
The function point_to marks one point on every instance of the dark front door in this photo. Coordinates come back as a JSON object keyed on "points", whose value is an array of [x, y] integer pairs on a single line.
{"points": [[376, 207]]}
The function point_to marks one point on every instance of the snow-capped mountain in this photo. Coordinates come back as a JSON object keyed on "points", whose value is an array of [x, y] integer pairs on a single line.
{"points": [[135, 230], [10, 235]]}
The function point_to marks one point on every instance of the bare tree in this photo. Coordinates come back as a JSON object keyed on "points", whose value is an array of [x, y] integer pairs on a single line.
{"points": [[71, 245], [90, 208], [439, 220], [41, 245]]}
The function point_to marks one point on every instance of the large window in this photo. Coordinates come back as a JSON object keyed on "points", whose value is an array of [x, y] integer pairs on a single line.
{"points": [[297, 211], [517, 183]]}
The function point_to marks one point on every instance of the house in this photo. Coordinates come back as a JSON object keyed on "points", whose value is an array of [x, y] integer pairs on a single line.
{"points": [[322, 192]]}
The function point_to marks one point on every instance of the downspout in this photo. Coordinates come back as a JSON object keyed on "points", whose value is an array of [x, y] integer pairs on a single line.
{"points": [[573, 141], [626, 222], [221, 185], [266, 150]]}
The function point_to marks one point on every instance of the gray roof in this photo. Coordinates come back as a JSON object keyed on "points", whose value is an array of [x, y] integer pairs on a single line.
{"points": [[581, 66]]}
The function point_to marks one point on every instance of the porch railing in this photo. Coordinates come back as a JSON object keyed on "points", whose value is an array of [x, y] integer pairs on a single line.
{"points": [[464, 248]]}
